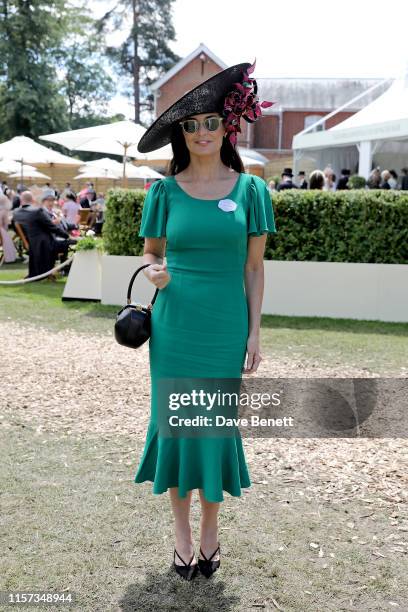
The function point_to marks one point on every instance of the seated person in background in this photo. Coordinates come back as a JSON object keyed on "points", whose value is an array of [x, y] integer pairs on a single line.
{"points": [[41, 233], [54, 211], [90, 196], [70, 208]]}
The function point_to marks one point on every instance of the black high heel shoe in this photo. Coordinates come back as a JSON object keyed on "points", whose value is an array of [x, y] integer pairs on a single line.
{"points": [[186, 571], [208, 567]]}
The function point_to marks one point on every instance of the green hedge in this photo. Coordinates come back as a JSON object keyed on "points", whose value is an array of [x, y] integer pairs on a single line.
{"points": [[123, 215], [367, 226]]}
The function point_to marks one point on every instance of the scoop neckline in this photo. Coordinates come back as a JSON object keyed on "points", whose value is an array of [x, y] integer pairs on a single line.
{"points": [[225, 197]]}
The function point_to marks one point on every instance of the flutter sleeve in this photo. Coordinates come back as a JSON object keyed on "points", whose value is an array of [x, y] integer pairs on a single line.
{"points": [[154, 213], [261, 217]]}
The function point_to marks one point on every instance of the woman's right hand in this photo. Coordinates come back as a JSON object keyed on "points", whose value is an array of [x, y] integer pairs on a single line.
{"points": [[158, 275]]}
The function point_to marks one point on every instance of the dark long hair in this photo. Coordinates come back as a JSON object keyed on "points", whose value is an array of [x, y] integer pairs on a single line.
{"points": [[181, 155]]}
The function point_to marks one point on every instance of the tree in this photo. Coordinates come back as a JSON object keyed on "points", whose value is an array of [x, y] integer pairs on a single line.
{"points": [[52, 71], [144, 55], [85, 82], [30, 33]]}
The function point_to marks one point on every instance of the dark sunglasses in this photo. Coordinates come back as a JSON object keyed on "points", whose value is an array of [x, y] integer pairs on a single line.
{"points": [[190, 126]]}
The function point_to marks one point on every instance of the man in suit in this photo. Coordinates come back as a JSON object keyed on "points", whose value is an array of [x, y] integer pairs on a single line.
{"points": [[286, 182], [40, 232], [302, 182], [404, 180], [62, 244], [343, 180]]}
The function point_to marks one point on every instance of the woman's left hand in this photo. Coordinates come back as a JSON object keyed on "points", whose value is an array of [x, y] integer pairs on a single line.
{"points": [[253, 358]]}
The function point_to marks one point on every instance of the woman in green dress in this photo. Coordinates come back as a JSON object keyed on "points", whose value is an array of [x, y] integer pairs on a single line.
{"points": [[209, 219]]}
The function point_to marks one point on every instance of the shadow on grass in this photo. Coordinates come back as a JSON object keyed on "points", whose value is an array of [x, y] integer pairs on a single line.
{"points": [[170, 592]]}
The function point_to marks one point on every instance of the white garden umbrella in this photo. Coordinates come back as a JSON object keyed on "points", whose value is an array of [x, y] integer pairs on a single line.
{"points": [[250, 157], [97, 173], [110, 165], [165, 152], [119, 138], [253, 154], [29, 174], [146, 172], [26, 150], [8, 166]]}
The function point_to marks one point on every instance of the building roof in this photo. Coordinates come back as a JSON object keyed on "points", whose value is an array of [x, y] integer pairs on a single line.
{"points": [[202, 48], [318, 94]]}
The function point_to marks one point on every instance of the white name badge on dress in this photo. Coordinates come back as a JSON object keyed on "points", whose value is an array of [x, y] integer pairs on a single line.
{"points": [[227, 205]]}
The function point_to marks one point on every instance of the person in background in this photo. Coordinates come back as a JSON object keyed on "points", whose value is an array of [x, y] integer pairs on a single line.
{"points": [[329, 180], [385, 177], [5, 189], [57, 217], [89, 197], [302, 182], [271, 186], [9, 250], [68, 189], [40, 232], [16, 198], [343, 180], [48, 203], [404, 180], [374, 180], [316, 180], [71, 207], [393, 180], [100, 201], [47, 188], [83, 192], [286, 183]]}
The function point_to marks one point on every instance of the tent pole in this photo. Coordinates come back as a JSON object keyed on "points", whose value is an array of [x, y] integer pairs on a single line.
{"points": [[124, 181], [365, 158]]}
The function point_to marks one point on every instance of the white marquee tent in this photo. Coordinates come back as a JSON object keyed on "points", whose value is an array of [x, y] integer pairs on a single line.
{"points": [[376, 135]]}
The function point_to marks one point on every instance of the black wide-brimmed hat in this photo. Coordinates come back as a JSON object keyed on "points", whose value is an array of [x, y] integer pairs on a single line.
{"points": [[231, 92]]}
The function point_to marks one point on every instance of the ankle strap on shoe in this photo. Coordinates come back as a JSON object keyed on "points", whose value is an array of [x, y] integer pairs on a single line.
{"points": [[215, 551]]}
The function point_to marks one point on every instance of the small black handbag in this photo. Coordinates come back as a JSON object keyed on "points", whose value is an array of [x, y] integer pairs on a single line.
{"points": [[133, 321]]}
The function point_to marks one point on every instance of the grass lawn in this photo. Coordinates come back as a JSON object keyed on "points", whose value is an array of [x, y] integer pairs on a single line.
{"points": [[323, 527], [376, 346], [72, 519]]}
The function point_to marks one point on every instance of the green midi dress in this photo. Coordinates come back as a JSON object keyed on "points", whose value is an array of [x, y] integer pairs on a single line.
{"points": [[199, 325]]}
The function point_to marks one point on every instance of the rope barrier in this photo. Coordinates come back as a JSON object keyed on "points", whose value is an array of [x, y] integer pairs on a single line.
{"points": [[43, 275]]}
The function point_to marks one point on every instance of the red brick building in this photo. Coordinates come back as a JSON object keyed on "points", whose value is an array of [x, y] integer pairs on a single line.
{"points": [[299, 102]]}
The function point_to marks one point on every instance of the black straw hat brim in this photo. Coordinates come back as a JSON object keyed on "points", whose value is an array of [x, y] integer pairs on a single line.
{"points": [[205, 98]]}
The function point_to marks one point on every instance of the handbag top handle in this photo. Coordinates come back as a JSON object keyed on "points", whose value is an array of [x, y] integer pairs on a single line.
{"points": [[129, 291]]}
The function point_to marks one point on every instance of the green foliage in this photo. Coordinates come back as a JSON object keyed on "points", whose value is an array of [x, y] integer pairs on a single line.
{"points": [[145, 54], [89, 243], [51, 71], [366, 226], [369, 226], [123, 215], [85, 82], [357, 182], [30, 102]]}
